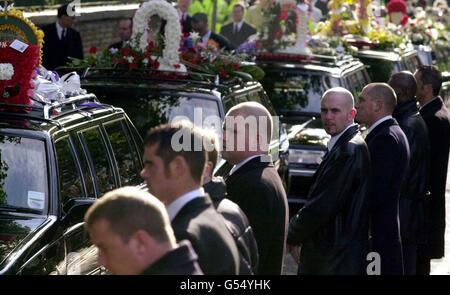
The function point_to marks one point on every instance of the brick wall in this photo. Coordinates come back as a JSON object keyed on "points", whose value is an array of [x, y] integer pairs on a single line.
{"points": [[97, 26]]}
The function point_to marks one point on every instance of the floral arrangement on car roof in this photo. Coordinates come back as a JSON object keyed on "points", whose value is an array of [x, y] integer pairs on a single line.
{"points": [[169, 55]]}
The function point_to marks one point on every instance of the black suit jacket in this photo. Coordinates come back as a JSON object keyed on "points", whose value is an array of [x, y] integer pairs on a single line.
{"points": [[186, 23], [56, 51], [180, 261], [389, 152], [241, 36], [200, 223], [257, 188], [333, 226], [437, 119], [412, 206]]}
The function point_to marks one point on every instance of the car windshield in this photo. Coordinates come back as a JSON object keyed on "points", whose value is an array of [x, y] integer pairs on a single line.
{"points": [[23, 174], [300, 92]]}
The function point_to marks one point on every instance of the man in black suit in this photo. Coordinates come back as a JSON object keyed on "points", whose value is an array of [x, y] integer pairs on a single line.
{"points": [[200, 25], [333, 226], [415, 189], [238, 30], [389, 152], [435, 114], [182, 7], [254, 183], [125, 31], [61, 41], [133, 235], [235, 219], [173, 172]]}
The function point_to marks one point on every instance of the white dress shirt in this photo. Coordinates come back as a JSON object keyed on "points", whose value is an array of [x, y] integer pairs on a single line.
{"points": [[378, 123], [206, 37], [236, 167], [335, 138], [60, 30], [237, 26], [179, 203]]}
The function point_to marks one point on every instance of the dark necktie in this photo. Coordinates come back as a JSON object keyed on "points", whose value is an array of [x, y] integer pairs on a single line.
{"points": [[63, 34], [235, 29]]}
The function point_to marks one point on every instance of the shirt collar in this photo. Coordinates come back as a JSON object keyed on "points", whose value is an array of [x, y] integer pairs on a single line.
{"points": [[431, 100], [206, 37], [378, 123], [239, 24], [236, 167], [335, 138], [59, 30], [181, 201]]}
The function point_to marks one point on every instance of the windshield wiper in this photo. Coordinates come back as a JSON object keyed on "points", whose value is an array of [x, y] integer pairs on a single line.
{"points": [[10, 208]]}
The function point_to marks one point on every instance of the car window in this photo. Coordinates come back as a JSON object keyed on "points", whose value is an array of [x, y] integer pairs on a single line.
{"points": [[86, 173], [202, 112], [70, 184], [124, 153], [301, 92], [23, 173], [100, 160]]}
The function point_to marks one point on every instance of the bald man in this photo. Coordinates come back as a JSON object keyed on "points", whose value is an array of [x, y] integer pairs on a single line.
{"points": [[333, 226], [254, 183], [389, 152], [414, 193]]}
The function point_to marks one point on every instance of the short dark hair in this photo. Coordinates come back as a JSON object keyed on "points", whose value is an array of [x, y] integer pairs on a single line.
{"points": [[404, 85], [62, 10], [200, 17], [195, 157], [431, 75]]}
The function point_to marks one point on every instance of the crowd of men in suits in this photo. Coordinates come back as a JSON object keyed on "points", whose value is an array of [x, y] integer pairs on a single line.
{"points": [[382, 193]]}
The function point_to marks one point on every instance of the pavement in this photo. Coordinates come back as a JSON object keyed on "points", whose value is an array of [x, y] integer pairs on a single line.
{"points": [[438, 266]]}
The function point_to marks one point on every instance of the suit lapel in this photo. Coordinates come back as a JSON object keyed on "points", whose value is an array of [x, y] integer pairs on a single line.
{"points": [[379, 128], [431, 108]]}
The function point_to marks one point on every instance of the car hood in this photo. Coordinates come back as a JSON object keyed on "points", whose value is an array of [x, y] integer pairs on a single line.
{"points": [[307, 133], [15, 232]]}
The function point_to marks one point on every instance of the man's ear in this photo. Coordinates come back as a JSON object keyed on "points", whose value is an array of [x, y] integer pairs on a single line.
{"points": [[178, 167], [141, 242], [352, 114]]}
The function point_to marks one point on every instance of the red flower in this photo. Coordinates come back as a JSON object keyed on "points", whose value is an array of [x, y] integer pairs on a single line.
{"points": [[155, 65], [123, 61], [94, 63], [237, 67], [133, 65], [137, 57], [192, 61], [177, 66], [283, 14], [223, 73], [126, 51], [93, 50], [151, 45], [115, 60]]}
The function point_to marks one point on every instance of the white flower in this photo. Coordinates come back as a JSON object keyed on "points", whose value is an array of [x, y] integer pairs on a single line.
{"points": [[145, 60], [130, 59], [6, 71], [3, 45]]}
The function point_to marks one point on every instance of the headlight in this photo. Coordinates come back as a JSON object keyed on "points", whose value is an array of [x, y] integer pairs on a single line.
{"points": [[306, 156]]}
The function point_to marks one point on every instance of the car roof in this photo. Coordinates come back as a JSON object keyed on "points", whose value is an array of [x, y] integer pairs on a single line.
{"points": [[55, 116], [333, 65]]}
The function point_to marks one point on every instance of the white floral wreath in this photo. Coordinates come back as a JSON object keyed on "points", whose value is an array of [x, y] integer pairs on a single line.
{"points": [[6, 71], [172, 32]]}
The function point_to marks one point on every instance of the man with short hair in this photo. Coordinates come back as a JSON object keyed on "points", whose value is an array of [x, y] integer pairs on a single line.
{"points": [[235, 219], [415, 189], [436, 117], [200, 25], [133, 235], [60, 40], [389, 152], [125, 31], [254, 183], [333, 226], [173, 171], [238, 30]]}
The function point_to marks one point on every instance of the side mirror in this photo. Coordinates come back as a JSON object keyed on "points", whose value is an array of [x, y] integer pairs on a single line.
{"points": [[75, 209]]}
